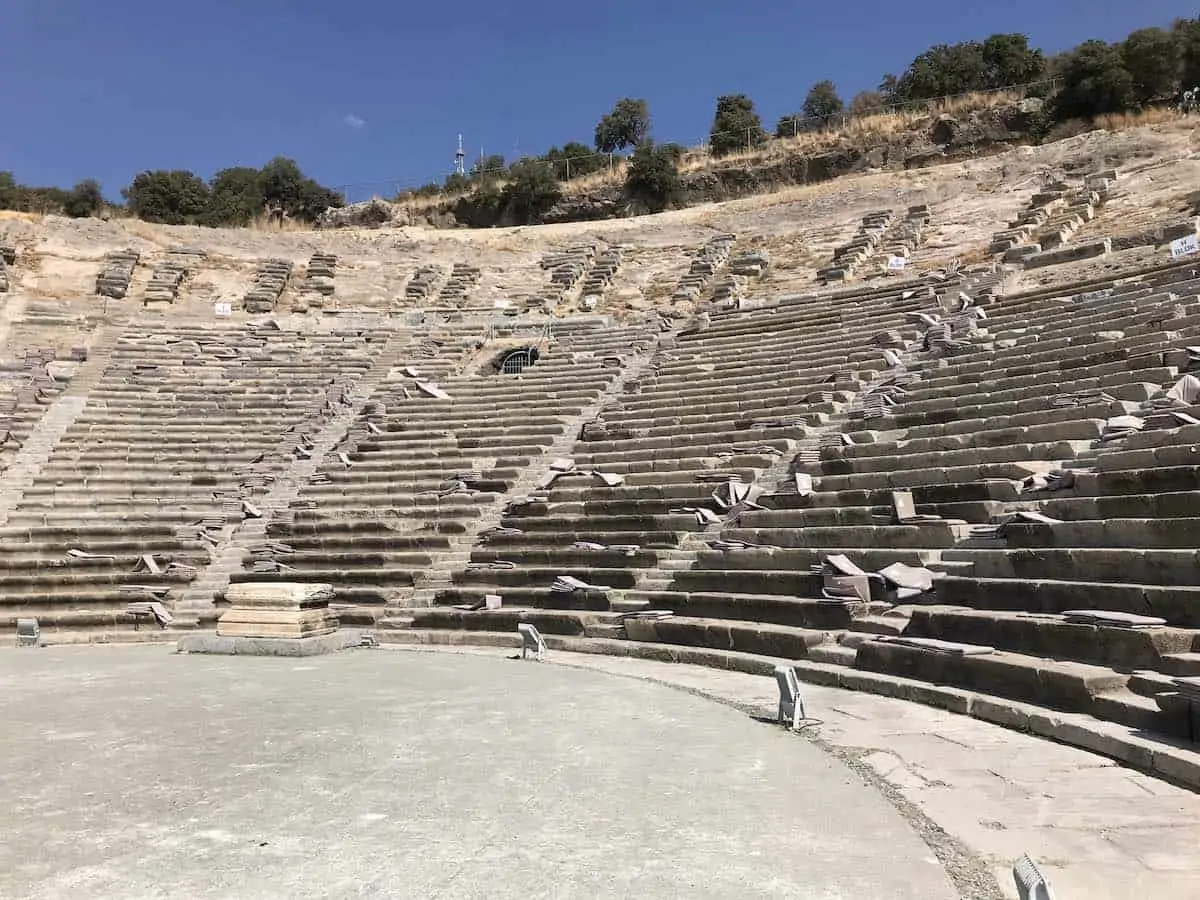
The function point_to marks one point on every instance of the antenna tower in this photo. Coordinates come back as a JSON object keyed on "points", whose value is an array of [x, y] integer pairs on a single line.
{"points": [[459, 156]]}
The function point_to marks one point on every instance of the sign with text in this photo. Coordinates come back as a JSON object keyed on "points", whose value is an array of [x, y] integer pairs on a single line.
{"points": [[896, 263], [223, 309], [1184, 246]]}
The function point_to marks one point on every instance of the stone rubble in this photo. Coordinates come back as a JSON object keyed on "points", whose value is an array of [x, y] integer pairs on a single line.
{"points": [[705, 264], [117, 272], [270, 279]]}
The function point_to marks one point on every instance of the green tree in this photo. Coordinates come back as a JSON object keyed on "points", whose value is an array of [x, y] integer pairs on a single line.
{"points": [[1151, 56], [23, 198], [83, 200], [490, 167], [1009, 60], [283, 184], [1095, 81], [1187, 37], [736, 126], [788, 125], [235, 197], [652, 177], [9, 192], [532, 189], [822, 101], [574, 160], [456, 184], [173, 197], [943, 70], [626, 126]]}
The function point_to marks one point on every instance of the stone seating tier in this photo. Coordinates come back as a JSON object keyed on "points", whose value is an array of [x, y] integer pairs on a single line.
{"points": [[849, 255], [567, 269], [435, 470], [463, 277], [969, 471], [270, 279], [707, 261], [423, 283], [116, 273], [184, 432], [318, 285]]}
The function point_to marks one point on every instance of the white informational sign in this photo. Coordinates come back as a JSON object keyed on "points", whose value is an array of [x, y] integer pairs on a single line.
{"points": [[1184, 246], [896, 263], [223, 309]]}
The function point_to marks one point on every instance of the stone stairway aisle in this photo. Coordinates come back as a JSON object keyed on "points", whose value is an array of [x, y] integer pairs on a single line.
{"points": [[439, 575], [196, 606], [54, 423]]}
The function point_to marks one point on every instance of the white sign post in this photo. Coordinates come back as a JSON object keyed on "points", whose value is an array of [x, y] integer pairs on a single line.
{"points": [[1184, 246], [223, 309], [896, 263]]}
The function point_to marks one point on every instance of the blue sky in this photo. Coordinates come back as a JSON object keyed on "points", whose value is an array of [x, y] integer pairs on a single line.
{"points": [[370, 93]]}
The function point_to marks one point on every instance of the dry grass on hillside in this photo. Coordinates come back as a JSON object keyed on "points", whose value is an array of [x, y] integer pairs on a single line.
{"points": [[863, 128], [1156, 115], [261, 222], [35, 218]]}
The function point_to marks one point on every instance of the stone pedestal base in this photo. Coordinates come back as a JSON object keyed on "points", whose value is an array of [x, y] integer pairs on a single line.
{"points": [[207, 642], [277, 623], [278, 610]]}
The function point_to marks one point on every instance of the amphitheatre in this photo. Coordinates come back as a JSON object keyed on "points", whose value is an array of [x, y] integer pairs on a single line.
{"points": [[929, 438]]}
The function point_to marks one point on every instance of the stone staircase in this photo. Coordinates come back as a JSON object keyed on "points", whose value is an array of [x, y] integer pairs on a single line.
{"points": [[116, 274], [37, 447], [270, 279], [705, 265], [848, 257]]}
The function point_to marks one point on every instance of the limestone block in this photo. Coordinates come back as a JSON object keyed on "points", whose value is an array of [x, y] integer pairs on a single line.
{"points": [[277, 610]]}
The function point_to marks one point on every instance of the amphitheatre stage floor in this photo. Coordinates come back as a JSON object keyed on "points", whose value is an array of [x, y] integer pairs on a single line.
{"points": [[137, 772]]}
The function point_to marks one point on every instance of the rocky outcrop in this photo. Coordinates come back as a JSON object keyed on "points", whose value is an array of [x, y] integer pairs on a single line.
{"points": [[371, 214]]}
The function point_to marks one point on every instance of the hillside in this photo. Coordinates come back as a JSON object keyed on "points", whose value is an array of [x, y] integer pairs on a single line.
{"points": [[58, 259], [877, 145]]}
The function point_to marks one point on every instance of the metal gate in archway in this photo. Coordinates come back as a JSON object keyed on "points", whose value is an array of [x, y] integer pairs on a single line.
{"points": [[517, 361]]}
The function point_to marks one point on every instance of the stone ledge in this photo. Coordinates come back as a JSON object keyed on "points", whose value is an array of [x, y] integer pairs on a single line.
{"points": [[1069, 253], [208, 642], [1159, 756]]}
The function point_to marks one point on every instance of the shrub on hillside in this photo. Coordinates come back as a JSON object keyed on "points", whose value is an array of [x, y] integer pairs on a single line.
{"points": [[866, 103], [1095, 81], [946, 70], [736, 126], [531, 190], [1151, 56], [652, 177], [25, 198], [821, 104], [83, 200], [175, 197], [283, 184], [1187, 37], [574, 160], [487, 169], [235, 197]]}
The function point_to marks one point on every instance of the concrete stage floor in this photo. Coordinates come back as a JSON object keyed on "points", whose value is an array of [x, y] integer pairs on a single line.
{"points": [[137, 772]]}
